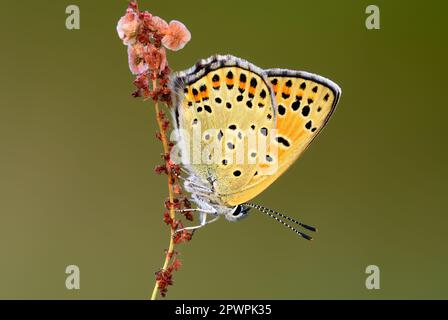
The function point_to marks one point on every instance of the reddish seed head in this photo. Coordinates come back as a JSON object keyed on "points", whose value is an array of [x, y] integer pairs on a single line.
{"points": [[161, 169], [182, 236], [137, 93], [161, 115], [141, 81], [167, 219], [189, 216], [187, 203], [176, 203], [176, 264], [166, 157], [168, 204], [165, 125]]}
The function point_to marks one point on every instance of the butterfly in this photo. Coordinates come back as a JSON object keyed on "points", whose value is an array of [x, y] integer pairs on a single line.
{"points": [[217, 104]]}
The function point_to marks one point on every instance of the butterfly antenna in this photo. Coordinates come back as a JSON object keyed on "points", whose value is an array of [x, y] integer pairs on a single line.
{"points": [[271, 213], [305, 226]]}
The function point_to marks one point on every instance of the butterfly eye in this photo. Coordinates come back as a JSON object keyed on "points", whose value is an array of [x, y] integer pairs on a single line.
{"points": [[236, 211], [240, 210]]}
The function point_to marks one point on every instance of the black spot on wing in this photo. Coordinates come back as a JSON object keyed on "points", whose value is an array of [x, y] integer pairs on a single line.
{"points": [[281, 109], [295, 105], [253, 83], [306, 111], [282, 141], [308, 124]]}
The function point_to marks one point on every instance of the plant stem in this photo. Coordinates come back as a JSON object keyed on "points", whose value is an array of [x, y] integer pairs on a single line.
{"points": [[166, 150]]}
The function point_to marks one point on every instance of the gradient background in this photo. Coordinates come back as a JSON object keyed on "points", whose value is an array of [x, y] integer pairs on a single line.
{"points": [[77, 153]]}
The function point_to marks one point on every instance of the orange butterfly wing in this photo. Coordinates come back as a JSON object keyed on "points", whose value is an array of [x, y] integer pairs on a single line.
{"points": [[305, 103]]}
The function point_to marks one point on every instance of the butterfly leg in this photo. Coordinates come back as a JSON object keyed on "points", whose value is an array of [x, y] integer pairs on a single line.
{"points": [[191, 185], [203, 219], [195, 209]]}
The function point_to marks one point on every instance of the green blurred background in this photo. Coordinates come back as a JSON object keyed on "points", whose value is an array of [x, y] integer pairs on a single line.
{"points": [[77, 155]]}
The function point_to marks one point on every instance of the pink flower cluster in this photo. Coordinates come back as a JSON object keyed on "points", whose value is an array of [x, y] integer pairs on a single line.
{"points": [[147, 38]]}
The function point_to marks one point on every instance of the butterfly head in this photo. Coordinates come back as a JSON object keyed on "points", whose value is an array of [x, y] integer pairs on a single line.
{"points": [[237, 213]]}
